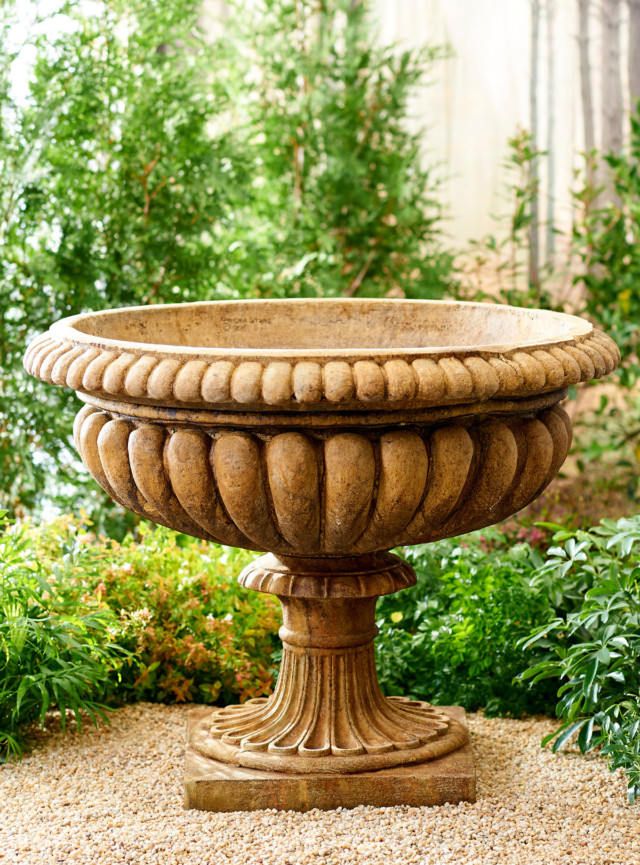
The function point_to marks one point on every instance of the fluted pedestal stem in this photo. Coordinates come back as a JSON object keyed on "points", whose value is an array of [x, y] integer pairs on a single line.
{"points": [[327, 713]]}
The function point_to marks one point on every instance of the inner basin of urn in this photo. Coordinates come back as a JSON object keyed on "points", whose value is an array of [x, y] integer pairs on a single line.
{"points": [[326, 326]]}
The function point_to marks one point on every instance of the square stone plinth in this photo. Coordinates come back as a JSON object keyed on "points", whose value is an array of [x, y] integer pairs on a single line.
{"points": [[211, 785]]}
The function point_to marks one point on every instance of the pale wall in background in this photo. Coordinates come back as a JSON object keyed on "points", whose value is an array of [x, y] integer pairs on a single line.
{"points": [[481, 96]]}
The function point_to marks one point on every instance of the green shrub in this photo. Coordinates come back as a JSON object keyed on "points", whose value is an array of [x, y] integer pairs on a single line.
{"points": [[340, 202], [115, 189], [87, 622], [592, 650], [53, 654], [606, 237], [452, 639], [188, 631], [193, 633]]}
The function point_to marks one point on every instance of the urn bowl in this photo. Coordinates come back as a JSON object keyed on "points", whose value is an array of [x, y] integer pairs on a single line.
{"points": [[322, 427]]}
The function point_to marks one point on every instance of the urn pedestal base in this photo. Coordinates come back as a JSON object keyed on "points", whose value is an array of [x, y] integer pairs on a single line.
{"points": [[327, 736], [211, 785]]}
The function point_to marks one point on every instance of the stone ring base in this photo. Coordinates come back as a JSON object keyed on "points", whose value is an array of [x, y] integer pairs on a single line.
{"points": [[214, 785], [442, 734]]}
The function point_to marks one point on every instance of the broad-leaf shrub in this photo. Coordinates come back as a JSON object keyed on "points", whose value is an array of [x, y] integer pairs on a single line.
{"points": [[87, 622], [452, 639], [54, 653], [592, 649]]}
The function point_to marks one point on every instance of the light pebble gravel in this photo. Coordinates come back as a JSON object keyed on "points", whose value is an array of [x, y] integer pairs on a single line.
{"points": [[113, 795]]}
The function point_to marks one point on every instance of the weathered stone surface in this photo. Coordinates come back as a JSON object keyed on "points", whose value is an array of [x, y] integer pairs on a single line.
{"points": [[325, 432], [325, 491], [212, 785], [320, 354], [327, 713]]}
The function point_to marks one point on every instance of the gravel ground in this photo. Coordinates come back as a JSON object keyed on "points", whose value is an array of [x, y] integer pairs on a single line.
{"points": [[113, 795]]}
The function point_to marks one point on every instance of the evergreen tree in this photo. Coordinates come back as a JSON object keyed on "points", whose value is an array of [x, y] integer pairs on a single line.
{"points": [[340, 203]]}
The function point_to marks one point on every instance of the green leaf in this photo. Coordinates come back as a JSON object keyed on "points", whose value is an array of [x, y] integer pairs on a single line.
{"points": [[566, 732]]}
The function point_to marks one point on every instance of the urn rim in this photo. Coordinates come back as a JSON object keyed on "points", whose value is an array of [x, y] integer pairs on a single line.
{"points": [[320, 353]]}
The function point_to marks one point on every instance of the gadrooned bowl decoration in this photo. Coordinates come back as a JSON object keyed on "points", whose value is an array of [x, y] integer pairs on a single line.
{"points": [[325, 432]]}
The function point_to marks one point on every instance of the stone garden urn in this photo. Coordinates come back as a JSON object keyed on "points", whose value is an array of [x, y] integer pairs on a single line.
{"points": [[324, 432]]}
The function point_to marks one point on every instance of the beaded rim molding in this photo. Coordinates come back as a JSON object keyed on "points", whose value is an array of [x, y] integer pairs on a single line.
{"points": [[249, 379]]}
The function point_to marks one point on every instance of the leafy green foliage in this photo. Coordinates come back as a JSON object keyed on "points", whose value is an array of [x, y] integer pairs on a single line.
{"points": [[87, 622], [452, 639], [52, 654], [192, 632], [606, 236], [114, 193], [496, 266], [607, 444], [592, 648], [340, 204], [607, 239]]}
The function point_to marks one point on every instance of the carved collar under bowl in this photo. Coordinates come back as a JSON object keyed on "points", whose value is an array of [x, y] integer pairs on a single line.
{"points": [[319, 355]]}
